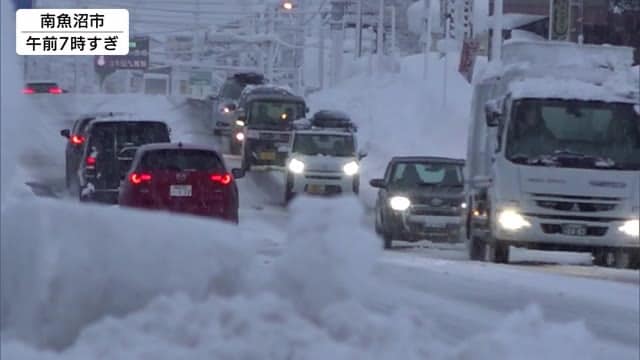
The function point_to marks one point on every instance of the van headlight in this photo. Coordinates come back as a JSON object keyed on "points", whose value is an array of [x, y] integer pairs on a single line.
{"points": [[399, 203], [296, 166], [512, 220], [239, 123], [351, 168], [631, 228]]}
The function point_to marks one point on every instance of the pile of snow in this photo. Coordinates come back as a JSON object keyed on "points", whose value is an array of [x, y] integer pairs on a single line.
{"points": [[402, 114], [66, 266], [169, 287], [16, 116]]}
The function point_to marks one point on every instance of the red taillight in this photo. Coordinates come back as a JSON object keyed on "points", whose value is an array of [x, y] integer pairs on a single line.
{"points": [[55, 90], [224, 179], [28, 91], [90, 161], [77, 139], [139, 178]]}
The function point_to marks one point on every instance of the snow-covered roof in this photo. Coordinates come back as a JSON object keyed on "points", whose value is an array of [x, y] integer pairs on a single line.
{"points": [[552, 88]]}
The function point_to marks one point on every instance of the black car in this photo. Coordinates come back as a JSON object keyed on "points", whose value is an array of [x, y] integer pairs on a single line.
{"points": [[76, 138], [420, 198], [225, 103], [108, 151], [43, 87]]}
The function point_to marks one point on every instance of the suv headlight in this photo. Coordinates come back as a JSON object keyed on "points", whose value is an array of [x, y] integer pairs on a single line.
{"points": [[351, 168], [399, 203], [296, 166], [631, 228], [512, 220]]}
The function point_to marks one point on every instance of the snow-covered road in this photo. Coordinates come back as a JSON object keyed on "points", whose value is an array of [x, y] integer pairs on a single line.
{"points": [[463, 300]]}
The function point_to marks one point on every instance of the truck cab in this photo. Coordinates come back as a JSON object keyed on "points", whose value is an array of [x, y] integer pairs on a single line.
{"points": [[266, 119], [554, 154]]}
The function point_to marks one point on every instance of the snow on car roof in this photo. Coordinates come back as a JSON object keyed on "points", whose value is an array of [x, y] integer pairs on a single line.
{"points": [[267, 88], [552, 88], [124, 117], [397, 159], [172, 146]]}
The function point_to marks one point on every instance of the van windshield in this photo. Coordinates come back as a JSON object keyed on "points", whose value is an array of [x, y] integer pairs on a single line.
{"points": [[324, 144], [579, 134]]}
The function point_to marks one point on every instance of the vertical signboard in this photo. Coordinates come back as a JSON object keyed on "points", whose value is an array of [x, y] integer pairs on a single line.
{"points": [[559, 20]]}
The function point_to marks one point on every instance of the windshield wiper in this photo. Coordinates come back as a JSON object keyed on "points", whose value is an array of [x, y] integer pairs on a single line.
{"points": [[542, 160], [598, 161]]}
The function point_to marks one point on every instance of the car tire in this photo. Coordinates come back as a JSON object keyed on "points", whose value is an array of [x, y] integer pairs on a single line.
{"points": [[625, 259]]}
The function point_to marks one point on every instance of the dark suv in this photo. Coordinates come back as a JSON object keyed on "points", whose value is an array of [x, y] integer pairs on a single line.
{"points": [[109, 149], [226, 102], [76, 138]]}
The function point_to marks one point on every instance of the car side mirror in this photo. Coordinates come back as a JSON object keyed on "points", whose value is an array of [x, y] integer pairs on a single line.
{"points": [[306, 109], [378, 183], [362, 155], [65, 133], [493, 112], [231, 106], [481, 182], [214, 97], [237, 173]]}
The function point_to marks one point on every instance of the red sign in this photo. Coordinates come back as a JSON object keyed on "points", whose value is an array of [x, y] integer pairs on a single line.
{"points": [[470, 49]]}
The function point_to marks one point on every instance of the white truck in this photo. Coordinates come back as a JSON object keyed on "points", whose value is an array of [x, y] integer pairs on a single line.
{"points": [[553, 158]]}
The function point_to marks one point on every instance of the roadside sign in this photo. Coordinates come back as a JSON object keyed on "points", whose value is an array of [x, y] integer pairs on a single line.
{"points": [[559, 28], [200, 78], [137, 59], [470, 49], [23, 4]]}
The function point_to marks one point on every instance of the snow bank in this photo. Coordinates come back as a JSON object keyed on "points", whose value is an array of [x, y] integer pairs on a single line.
{"points": [[167, 287], [15, 114], [65, 266], [402, 114]]}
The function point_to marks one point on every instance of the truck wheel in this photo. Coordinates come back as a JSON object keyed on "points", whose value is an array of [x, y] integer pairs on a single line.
{"points": [[477, 249], [625, 259], [498, 252]]}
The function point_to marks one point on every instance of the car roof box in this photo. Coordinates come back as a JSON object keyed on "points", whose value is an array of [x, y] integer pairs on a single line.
{"points": [[331, 119]]}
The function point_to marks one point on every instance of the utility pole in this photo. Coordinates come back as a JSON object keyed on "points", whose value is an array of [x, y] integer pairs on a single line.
{"points": [[427, 36], [321, 56], [380, 35], [358, 51], [497, 30]]}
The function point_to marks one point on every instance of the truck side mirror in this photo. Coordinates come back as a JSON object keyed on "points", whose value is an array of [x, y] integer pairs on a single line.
{"points": [[241, 115], [237, 173], [481, 182], [377, 183], [493, 112]]}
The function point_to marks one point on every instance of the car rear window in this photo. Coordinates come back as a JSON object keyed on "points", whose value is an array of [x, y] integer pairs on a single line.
{"points": [[41, 87], [181, 160], [115, 136]]}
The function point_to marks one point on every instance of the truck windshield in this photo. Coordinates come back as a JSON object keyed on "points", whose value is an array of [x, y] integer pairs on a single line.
{"points": [[413, 174], [571, 133], [274, 113], [324, 144]]}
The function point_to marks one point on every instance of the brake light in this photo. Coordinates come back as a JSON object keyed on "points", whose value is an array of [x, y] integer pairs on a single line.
{"points": [[28, 91], [77, 139], [90, 161], [224, 179], [55, 90], [139, 178]]}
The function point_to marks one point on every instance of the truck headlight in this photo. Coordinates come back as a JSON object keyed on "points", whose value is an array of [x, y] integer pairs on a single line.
{"points": [[399, 203], [351, 168], [296, 166], [239, 123], [512, 220], [631, 228]]}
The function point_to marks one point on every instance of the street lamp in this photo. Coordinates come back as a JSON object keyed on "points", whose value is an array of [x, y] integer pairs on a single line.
{"points": [[287, 5]]}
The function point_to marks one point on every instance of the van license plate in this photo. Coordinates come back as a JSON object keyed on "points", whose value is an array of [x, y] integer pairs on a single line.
{"points": [[574, 230], [180, 190], [267, 155]]}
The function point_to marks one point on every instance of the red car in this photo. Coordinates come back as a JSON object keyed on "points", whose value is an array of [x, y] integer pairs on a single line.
{"points": [[181, 178]]}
